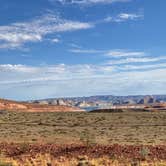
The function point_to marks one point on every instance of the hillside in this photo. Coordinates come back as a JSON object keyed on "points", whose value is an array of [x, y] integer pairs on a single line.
{"points": [[32, 107], [105, 101]]}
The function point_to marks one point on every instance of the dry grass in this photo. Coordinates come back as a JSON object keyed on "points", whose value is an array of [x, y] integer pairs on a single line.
{"points": [[106, 128], [48, 160]]}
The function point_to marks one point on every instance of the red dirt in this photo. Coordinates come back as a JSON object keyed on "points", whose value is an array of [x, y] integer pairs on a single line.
{"points": [[117, 151]]}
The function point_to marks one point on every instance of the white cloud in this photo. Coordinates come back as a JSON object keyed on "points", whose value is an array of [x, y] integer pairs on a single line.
{"points": [[55, 40], [121, 56], [88, 2], [135, 60], [124, 53], [131, 16], [73, 45], [142, 67], [109, 53], [22, 82], [17, 68], [22, 73], [123, 17], [84, 51], [16, 34], [108, 19]]}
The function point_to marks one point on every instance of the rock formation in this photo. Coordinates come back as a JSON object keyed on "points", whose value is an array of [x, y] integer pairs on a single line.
{"points": [[8, 105]]}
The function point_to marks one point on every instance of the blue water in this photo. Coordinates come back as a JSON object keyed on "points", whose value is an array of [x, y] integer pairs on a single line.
{"points": [[90, 108]]}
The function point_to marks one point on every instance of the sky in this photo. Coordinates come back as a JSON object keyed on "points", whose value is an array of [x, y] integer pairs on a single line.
{"points": [[68, 48]]}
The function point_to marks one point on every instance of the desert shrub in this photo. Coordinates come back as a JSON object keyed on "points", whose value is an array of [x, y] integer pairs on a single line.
{"points": [[33, 139], [87, 138], [144, 152], [83, 161], [135, 163], [24, 147]]}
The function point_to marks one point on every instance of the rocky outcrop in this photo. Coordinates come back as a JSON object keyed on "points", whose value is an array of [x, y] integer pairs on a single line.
{"points": [[147, 100], [43, 102], [35, 107], [104, 101], [83, 104], [129, 101], [61, 102], [10, 105]]}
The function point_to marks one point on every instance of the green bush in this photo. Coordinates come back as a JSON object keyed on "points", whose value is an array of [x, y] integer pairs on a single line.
{"points": [[144, 152]]}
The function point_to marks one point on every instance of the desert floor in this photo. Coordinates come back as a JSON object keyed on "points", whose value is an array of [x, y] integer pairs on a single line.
{"points": [[101, 128], [83, 139]]}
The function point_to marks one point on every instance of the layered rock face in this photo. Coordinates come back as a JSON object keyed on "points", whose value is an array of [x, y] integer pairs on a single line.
{"points": [[147, 100], [10, 105], [35, 107], [102, 101]]}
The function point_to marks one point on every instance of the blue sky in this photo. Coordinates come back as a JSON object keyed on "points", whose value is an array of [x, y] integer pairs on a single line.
{"points": [[58, 48]]}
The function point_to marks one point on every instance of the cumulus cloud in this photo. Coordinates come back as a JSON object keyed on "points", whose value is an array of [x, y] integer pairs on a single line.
{"points": [[16, 34]]}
